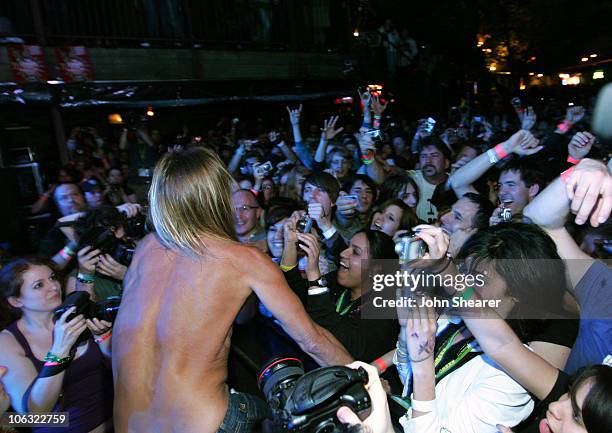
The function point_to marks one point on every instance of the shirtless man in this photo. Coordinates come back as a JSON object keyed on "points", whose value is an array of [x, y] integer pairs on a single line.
{"points": [[184, 288]]}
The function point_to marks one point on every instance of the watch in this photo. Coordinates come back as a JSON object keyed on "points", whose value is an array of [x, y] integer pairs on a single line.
{"points": [[321, 282]]}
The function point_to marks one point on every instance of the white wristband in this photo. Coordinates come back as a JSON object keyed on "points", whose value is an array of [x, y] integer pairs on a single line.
{"points": [[327, 234], [493, 159], [422, 406], [317, 291]]}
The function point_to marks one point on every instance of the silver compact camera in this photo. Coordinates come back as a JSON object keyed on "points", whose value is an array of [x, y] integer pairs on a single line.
{"points": [[505, 215], [410, 248], [304, 224]]}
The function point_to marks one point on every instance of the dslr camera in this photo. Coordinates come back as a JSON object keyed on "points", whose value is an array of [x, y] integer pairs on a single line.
{"points": [[104, 239], [102, 310], [308, 402]]}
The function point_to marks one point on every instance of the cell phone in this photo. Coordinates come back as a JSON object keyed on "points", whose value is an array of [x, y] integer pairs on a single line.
{"points": [[351, 197]]}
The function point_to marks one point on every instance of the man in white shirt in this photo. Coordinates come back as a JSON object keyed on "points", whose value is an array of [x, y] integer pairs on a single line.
{"points": [[434, 161]]}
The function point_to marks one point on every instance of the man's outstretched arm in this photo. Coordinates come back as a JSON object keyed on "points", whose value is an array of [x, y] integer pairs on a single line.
{"points": [[271, 288], [521, 143], [586, 191]]}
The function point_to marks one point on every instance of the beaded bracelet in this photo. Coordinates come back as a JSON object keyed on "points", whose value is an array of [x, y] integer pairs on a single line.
{"points": [[51, 359]]}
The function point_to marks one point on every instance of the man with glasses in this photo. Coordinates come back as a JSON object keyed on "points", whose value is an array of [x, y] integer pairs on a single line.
{"points": [[246, 219]]}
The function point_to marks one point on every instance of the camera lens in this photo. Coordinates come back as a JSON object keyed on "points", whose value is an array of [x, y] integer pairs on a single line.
{"points": [[277, 372]]}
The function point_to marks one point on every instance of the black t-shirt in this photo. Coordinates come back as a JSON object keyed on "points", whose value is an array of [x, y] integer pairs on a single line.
{"points": [[561, 387]]}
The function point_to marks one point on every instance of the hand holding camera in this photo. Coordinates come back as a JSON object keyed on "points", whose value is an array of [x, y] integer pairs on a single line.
{"points": [[66, 332], [110, 267], [88, 259], [379, 420], [97, 326], [310, 245], [347, 205], [501, 214]]}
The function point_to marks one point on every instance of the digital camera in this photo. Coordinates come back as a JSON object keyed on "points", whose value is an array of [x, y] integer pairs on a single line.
{"points": [[102, 310], [410, 248], [505, 214], [304, 224], [104, 239], [308, 402]]}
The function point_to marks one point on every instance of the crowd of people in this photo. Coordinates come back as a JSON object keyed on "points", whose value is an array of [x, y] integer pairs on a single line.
{"points": [[280, 227]]}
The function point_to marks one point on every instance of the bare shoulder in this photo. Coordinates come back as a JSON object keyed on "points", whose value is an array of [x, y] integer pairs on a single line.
{"points": [[10, 346]]}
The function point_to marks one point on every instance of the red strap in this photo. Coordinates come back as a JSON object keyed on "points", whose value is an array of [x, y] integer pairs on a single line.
{"points": [[381, 364], [572, 160]]}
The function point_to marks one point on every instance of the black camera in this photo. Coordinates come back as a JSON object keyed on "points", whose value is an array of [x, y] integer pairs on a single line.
{"points": [[309, 402], [104, 239], [102, 310], [137, 226]]}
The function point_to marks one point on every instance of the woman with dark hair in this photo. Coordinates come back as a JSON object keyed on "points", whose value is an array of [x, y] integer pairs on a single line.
{"points": [[400, 186], [392, 216], [52, 365], [520, 271], [335, 300]]}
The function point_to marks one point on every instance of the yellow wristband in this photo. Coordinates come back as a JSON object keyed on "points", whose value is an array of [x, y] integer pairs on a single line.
{"points": [[286, 268]]}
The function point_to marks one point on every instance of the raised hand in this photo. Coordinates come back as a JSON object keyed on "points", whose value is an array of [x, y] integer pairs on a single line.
{"points": [[575, 114], [329, 130], [522, 143], [528, 119], [589, 187], [347, 207], [294, 115], [377, 107], [366, 98], [580, 145]]}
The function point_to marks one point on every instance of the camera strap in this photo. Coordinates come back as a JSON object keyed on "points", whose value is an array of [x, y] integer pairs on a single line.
{"points": [[342, 308]]}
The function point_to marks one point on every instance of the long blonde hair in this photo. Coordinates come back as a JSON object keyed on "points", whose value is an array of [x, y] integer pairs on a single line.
{"points": [[190, 196]]}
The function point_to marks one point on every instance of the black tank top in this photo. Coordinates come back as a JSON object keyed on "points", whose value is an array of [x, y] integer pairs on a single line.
{"points": [[87, 391]]}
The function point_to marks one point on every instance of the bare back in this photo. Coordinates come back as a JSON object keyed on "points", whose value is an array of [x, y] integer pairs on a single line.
{"points": [[172, 337]]}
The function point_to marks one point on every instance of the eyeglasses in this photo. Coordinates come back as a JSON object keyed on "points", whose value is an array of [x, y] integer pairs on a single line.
{"points": [[245, 208]]}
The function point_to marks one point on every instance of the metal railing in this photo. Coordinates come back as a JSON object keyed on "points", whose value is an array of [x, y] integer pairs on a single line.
{"points": [[253, 24]]}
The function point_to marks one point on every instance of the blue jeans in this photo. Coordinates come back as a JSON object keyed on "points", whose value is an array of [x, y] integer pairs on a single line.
{"points": [[244, 412]]}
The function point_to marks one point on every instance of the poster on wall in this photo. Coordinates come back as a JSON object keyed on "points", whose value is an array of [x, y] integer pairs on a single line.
{"points": [[73, 63], [27, 63]]}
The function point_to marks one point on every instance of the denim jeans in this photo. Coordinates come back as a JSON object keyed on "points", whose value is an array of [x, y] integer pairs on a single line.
{"points": [[244, 412]]}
